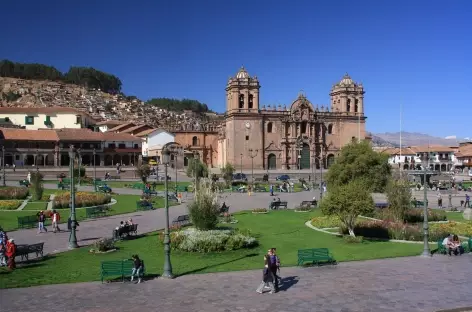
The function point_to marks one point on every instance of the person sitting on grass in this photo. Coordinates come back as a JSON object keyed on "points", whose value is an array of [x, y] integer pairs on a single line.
{"points": [[138, 268]]}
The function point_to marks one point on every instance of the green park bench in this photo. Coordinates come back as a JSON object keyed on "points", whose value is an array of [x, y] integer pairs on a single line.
{"points": [[308, 203], [24, 183], [115, 177], [418, 203], [63, 185], [143, 205], [23, 251], [181, 188], [273, 205], [443, 251], [27, 222], [315, 256], [96, 212], [104, 189], [259, 188], [116, 268]]}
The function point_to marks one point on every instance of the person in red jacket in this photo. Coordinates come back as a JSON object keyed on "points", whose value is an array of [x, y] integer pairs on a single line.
{"points": [[11, 253]]}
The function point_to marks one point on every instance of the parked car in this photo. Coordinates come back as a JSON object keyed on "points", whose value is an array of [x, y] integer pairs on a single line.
{"points": [[283, 177], [239, 177]]}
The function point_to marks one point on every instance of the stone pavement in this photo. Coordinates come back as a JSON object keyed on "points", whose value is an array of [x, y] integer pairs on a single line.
{"points": [[148, 221], [396, 285]]}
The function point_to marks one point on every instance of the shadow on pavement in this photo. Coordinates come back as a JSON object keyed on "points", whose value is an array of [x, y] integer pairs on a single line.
{"points": [[288, 282], [215, 265]]}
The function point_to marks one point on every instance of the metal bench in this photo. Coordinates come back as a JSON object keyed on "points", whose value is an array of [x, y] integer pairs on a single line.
{"points": [[381, 205], [104, 189], [309, 203], [126, 230], [63, 186], [27, 222], [116, 268], [23, 251], [277, 205], [24, 183], [181, 220], [315, 256]]}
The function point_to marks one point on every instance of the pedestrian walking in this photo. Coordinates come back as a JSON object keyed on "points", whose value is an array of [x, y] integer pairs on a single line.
{"points": [[138, 268], [11, 253], [41, 220], [467, 201], [439, 201], [56, 217], [28, 177], [267, 277], [14, 167]]}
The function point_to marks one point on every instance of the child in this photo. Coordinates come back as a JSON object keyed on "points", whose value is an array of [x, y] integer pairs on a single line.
{"points": [[138, 268]]}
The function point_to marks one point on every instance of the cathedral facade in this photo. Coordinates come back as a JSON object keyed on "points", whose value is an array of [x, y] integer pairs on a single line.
{"points": [[294, 137]]}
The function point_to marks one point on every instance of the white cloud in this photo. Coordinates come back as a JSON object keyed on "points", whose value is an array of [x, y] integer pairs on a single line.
{"points": [[451, 137]]}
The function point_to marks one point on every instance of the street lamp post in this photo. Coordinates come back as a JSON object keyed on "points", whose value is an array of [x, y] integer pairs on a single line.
{"points": [[72, 237], [177, 151], [79, 162], [252, 154], [241, 167], [313, 171], [94, 170], [196, 159], [167, 264], [426, 251], [450, 195], [36, 160], [3, 165]]}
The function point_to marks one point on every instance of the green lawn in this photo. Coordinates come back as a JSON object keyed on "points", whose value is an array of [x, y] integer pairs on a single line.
{"points": [[125, 204], [282, 229], [37, 206]]}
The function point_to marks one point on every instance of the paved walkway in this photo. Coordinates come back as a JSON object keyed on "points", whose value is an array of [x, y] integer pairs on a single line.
{"points": [[389, 285], [91, 230]]}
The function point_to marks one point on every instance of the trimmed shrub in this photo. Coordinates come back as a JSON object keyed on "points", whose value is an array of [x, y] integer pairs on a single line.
{"points": [[193, 240], [395, 230], [9, 204], [104, 244], [353, 239], [259, 210], [82, 199], [411, 215], [14, 192], [303, 209], [204, 210]]}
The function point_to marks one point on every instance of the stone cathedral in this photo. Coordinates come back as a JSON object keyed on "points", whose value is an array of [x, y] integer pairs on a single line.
{"points": [[294, 137]]}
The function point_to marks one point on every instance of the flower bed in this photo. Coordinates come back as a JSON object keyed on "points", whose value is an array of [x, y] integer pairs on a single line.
{"points": [[326, 222], [193, 240], [395, 230], [82, 199], [459, 228], [411, 216], [13, 192], [9, 204], [303, 209]]}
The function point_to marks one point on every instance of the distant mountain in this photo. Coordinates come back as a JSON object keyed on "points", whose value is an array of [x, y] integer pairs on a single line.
{"points": [[379, 142], [413, 138]]}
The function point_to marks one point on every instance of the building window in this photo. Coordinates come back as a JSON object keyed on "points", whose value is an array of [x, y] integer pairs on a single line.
{"points": [[121, 145], [194, 141], [111, 145], [241, 101], [136, 146], [251, 100], [348, 105], [330, 129], [78, 120], [247, 137], [356, 105], [269, 127], [29, 120], [304, 127], [171, 156]]}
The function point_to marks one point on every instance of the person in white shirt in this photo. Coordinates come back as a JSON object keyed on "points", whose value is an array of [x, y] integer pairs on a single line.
{"points": [[449, 244]]}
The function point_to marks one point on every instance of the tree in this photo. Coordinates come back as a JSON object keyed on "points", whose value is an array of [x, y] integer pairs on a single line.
{"points": [[196, 166], [399, 198], [37, 185], [227, 172], [204, 210], [143, 171], [357, 161], [347, 202], [179, 105]]}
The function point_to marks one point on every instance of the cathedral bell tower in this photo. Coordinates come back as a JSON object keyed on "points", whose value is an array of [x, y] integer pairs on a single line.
{"points": [[242, 93]]}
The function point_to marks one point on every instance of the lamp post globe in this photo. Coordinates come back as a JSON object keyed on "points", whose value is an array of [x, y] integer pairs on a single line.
{"points": [[167, 273]]}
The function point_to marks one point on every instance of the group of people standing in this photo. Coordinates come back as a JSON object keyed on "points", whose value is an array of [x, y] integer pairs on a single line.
{"points": [[7, 251], [270, 279]]}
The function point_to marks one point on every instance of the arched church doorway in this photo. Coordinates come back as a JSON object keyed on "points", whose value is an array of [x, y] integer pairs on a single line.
{"points": [[272, 161], [305, 157]]}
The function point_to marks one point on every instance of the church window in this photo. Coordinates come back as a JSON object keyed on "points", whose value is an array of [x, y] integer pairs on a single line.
{"points": [[241, 101], [356, 105], [303, 127], [330, 129], [269, 127], [251, 100], [247, 137], [194, 141], [348, 105]]}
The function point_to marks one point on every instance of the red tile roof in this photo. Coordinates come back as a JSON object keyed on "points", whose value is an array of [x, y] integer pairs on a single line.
{"points": [[145, 132], [129, 130], [28, 135], [117, 128]]}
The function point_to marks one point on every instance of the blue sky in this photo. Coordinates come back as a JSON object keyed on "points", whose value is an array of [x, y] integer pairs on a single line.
{"points": [[414, 53]]}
